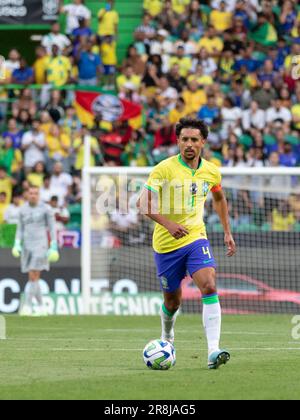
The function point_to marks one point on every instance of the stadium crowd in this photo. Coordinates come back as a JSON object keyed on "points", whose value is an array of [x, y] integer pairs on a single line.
{"points": [[232, 63]]}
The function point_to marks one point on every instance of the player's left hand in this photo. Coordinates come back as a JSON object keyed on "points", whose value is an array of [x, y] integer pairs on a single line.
{"points": [[230, 243], [53, 254]]}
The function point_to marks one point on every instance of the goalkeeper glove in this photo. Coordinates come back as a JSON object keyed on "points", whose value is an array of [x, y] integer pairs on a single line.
{"points": [[17, 249], [53, 254]]}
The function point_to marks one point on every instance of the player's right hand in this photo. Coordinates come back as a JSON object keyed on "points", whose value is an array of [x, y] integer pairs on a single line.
{"points": [[177, 231], [17, 249]]}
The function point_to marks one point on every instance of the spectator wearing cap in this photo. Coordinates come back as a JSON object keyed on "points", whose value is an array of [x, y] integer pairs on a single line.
{"points": [[108, 20], [74, 12], [278, 112], [55, 37], [163, 47]]}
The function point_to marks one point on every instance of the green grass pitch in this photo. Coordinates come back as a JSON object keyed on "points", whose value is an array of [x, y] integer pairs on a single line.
{"points": [[101, 358]]}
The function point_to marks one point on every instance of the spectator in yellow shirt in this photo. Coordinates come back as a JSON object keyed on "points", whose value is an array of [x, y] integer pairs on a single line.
{"points": [[221, 20], [201, 78], [108, 20], [59, 146], [58, 68], [6, 184], [153, 7], [180, 111], [180, 6], [108, 52], [194, 97], [36, 176], [78, 146], [128, 76], [296, 116], [185, 63], [3, 206], [40, 65], [212, 43], [283, 220]]}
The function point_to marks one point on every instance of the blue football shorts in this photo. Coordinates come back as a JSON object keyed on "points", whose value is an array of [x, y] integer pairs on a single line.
{"points": [[172, 267]]}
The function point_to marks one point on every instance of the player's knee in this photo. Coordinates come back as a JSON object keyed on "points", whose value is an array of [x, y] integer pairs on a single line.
{"points": [[209, 287]]}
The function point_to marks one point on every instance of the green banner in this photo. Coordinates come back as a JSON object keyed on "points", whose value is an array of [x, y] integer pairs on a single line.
{"points": [[105, 304]]}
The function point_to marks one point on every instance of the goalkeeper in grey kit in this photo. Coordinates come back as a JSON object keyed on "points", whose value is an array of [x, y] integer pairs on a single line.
{"points": [[36, 221]]}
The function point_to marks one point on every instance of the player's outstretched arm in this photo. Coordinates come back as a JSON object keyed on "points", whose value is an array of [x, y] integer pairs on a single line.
{"points": [[221, 207], [148, 206]]}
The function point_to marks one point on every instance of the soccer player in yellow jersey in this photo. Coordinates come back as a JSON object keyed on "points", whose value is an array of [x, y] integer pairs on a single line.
{"points": [[174, 198]]}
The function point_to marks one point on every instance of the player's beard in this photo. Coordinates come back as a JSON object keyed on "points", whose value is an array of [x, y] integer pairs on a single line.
{"points": [[189, 154]]}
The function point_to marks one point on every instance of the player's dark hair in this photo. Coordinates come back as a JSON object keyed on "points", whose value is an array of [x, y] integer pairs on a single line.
{"points": [[192, 123]]}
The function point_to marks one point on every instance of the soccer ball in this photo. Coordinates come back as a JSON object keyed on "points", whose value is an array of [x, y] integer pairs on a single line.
{"points": [[159, 355]]}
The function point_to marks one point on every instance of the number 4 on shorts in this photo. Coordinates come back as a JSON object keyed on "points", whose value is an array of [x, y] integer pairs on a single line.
{"points": [[206, 251]]}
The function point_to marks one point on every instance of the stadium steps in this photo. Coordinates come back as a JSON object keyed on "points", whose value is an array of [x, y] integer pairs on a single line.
{"points": [[130, 17]]}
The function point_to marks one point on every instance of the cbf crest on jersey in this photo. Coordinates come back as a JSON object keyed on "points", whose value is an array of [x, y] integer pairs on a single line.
{"points": [[205, 188]]}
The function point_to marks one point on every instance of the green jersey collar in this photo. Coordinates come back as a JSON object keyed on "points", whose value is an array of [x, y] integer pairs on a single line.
{"points": [[182, 162]]}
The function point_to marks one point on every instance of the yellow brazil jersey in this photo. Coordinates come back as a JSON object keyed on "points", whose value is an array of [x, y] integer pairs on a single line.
{"points": [[221, 21], [153, 7], [296, 113], [182, 193], [39, 67], [58, 70], [179, 6], [109, 53], [108, 23]]}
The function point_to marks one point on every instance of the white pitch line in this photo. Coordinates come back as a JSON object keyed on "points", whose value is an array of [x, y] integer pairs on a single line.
{"points": [[269, 349]]}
